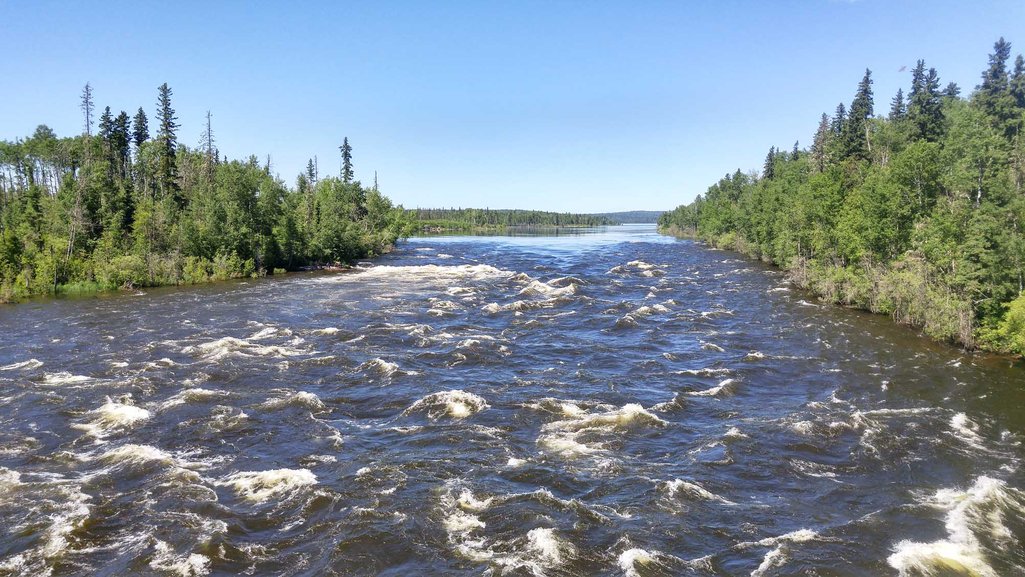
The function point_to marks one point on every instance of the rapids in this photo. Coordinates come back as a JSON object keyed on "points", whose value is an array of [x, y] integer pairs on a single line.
{"points": [[607, 402]]}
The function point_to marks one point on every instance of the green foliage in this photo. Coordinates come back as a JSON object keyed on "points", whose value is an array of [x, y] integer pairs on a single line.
{"points": [[918, 215], [94, 212], [465, 219]]}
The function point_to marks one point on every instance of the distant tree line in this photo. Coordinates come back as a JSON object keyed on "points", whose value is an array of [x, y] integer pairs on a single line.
{"points": [[119, 206], [918, 214], [471, 218]]}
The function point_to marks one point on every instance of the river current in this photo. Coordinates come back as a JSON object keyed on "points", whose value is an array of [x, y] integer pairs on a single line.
{"points": [[613, 402]]}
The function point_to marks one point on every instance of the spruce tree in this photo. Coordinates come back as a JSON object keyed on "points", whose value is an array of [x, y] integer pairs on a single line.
{"points": [[855, 136], [898, 110], [820, 142], [1017, 82], [346, 149], [769, 170], [925, 107], [140, 128], [121, 142], [994, 78], [106, 125], [311, 173], [839, 119], [168, 140], [952, 90]]}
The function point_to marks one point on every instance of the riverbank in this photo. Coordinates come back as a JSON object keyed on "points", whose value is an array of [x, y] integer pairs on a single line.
{"points": [[901, 290], [201, 272]]}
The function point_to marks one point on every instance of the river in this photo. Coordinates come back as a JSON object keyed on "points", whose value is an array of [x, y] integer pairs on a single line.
{"points": [[611, 402]]}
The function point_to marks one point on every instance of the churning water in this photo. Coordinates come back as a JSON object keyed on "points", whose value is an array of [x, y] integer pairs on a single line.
{"points": [[609, 403]]}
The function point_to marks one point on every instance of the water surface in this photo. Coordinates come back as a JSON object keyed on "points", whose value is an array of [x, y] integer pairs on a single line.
{"points": [[611, 402]]}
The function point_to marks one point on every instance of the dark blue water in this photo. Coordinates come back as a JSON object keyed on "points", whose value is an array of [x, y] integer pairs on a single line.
{"points": [[613, 402]]}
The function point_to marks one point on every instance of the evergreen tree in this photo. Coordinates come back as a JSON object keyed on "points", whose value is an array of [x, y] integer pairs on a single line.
{"points": [[952, 90], [311, 173], [1017, 82], [87, 108], [925, 108], [795, 153], [994, 78], [855, 138], [168, 141], [140, 128], [898, 110], [820, 143], [994, 94], [106, 125], [121, 143], [346, 149], [769, 170], [839, 119]]}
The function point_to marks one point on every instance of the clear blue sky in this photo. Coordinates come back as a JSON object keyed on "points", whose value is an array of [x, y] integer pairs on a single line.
{"points": [[557, 105]]}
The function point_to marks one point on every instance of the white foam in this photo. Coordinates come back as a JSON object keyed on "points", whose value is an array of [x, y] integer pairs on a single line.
{"points": [[733, 433], [64, 378], [194, 395], [301, 399], [111, 416], [233, 347], [430, 273], [981, 509], [725, 387], [326, 331], [455, 404], [460, 522], [469, 502], [772, 559], [132, 454], [549, 548], [9, 479], [261, 486], [29, 364], [678, 487], [967, 430], [631, 558], [380, 366], [562, 437], [191, 565], [538, 288]]}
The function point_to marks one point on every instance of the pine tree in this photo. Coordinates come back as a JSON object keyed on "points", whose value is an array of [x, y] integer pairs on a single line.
{"points": [[795, 153], [140, 128], [346, 149], [898, 110], [952, 90], [168, 140]]}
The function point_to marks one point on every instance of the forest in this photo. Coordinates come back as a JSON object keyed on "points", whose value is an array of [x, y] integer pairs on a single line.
{"points": [[917, 213], [119, 207], [464, 219]]}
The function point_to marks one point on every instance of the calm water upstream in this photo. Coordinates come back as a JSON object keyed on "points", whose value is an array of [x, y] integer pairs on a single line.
{"points": [[608, 403]]}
